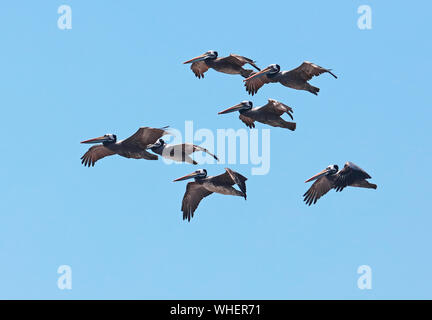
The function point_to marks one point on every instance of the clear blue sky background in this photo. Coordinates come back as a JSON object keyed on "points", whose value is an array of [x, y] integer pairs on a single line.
{"points": [[119, 225]]}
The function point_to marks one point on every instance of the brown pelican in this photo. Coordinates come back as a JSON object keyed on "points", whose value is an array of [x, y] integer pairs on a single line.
{"points": [[204, 186], [133, 147], [269, 114], [178, 152], [232, 64], [332, 178], [297, 78]]}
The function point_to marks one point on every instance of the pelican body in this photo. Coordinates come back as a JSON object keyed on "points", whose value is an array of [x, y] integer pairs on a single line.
{"points": [[268, 114], [133, 147], [332, 178], [178, 152], [204, 186], [233, 64], [296, 79]]}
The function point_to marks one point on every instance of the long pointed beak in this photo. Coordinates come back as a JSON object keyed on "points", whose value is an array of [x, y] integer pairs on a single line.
{"points": [[318, 175], [199, 58], [95, 140], [258, 74], [231, 109], [188, 176]]}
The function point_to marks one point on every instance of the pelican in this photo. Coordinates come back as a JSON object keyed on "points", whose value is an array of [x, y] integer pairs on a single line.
{"points": [[332, 178], [233, 64], [178, 152], [204, 186], [133, 147], [269, 114], [296, 79]]}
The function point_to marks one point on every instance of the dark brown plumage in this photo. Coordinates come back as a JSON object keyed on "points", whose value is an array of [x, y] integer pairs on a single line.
{"points": [[233, 64], [133, 147], [269, 114], [204, 186], [333, 178], [296, 78]]}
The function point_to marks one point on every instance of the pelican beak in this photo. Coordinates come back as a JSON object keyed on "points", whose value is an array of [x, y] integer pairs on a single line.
{"points": [[317, 176], [232, 109], [96, 140], [199, 58], [188, 176], [258, 74]]}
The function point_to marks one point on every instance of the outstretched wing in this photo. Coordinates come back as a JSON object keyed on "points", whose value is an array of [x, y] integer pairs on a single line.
{"points": [[194, 147], [199, 68], [278, 108], [307, 70], [94, 154], [138, 154], [247, 121], [254, 84], [143, 137], [350, 174], [239, 61], [319, 188], [195, 192], [230, 177]]}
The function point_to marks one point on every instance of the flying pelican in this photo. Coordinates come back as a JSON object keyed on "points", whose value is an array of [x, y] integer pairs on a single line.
{"points": [[297, 78], [232, 64], [332, 178], [204, 186], [269, 114], [178, 152], [133, 147]]}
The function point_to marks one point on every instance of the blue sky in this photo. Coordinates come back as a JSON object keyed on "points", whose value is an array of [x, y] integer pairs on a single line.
{"points": [[119, 226]]}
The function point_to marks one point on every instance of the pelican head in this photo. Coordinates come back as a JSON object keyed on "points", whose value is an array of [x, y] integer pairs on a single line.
{"points": [[242, 106], [211, 54], [332, 169], [270, 70], [199, 174], [105, 139], [157, 144]]}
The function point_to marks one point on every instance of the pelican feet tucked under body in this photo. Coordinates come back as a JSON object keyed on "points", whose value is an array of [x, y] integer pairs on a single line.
{"points": [[332, 178], [297, 78], [178, 152], [233, 64], [268, 114], [133, 147], [204, 186]]}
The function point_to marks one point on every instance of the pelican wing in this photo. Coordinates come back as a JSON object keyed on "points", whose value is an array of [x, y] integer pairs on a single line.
{"points": [[239, 60], [194, 148], [230, 177], [138, 154], [349, 175], [142, 138], [254, 84], [276, 107], [319, 188], [94, 154], [247, 121], [307, 70], [195, 192], [199, 68]]}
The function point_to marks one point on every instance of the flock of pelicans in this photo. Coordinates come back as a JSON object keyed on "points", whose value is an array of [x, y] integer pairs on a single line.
{"points": [[146, 139]]}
